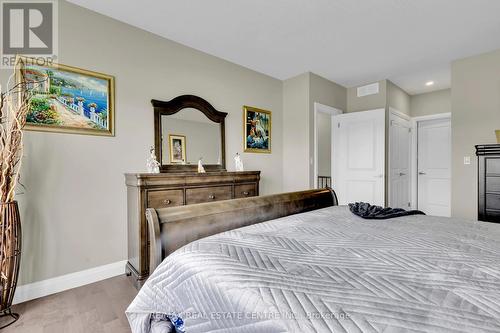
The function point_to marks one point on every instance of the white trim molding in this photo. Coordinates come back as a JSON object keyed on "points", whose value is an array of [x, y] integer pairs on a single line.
{"points": [[399, 113], [51, 286], [433, 117]]}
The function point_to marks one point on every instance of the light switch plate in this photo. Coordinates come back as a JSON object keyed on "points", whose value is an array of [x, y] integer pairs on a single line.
{"points": [[466, 160]]}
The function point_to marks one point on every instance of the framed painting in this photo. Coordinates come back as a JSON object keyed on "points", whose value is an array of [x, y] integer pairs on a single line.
{"points": [[67, 99], [177, 148], [257, 130]]}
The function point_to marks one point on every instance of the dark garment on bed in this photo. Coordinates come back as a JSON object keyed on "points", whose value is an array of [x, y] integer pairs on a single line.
{"points": [[367, 211]]}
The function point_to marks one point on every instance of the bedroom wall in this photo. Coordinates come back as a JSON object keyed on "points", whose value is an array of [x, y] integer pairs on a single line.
{"points": [[296, 133], [325, 92], [299, 95], [475, 103], [390, 95], [397, 98], [431, 103], [370, 102], [74, 205]]}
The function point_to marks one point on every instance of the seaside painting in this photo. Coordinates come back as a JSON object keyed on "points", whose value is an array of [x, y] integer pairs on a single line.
{"points": [[68, 99]]}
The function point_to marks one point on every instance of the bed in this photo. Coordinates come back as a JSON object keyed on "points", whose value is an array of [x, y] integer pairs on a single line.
{"points": [[300, 263]]}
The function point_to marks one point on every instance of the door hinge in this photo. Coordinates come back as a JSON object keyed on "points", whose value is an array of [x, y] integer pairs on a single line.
{"points": [[409, 130], [409, 204], [338, 125]]}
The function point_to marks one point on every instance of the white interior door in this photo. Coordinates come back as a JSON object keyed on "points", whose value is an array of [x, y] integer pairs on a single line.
{"points": [[359, 157], [434, 167], [399, 163]]}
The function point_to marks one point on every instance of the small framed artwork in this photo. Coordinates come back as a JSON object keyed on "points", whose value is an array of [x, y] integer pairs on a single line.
{"points": [[257, 130], [67, 99], [177, 148]]}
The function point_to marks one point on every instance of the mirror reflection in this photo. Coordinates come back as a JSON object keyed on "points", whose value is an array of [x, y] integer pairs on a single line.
{"points": [[188, 136]]}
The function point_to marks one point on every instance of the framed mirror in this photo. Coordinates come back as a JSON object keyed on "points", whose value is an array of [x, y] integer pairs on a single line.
{"points": [[188, 128]]}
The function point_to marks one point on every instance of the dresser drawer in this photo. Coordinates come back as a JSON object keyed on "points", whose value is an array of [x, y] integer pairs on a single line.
{"points": [[493, 184], [493, 201], [493, 215], [492, 166], [166, 198], [245, 190], [208, 194]]}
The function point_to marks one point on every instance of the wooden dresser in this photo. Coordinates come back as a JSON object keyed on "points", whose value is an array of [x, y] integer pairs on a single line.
{"points": [[162, 190], [488, 182]]}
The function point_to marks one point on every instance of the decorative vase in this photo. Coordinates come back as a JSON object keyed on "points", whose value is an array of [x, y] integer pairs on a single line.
{"points": [[10, 257], [497, 132]]}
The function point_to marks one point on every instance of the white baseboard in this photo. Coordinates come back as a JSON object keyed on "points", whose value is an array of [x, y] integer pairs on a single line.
{"points": [[69, 281]]}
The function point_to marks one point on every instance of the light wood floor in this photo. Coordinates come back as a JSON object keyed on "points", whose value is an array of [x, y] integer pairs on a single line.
{"points": [[94, 308]]}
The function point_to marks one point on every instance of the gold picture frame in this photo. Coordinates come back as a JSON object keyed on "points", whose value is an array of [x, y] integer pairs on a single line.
{"points": [[68, 99], [177, 148], [257, 125]]}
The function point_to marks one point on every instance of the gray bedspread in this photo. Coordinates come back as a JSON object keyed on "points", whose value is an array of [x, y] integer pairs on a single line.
{"points": [[331, 271]]}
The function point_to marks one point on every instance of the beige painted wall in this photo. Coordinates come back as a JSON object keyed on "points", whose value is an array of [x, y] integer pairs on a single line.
{"points": [[390, 95], [299, 95], [74, 208], [475, 101], [327, 92], [397, 98], [296, 133], [431, 103], [370, 102]]}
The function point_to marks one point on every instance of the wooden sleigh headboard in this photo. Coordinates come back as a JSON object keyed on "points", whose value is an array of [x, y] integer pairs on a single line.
{"points": [[172, 228]]}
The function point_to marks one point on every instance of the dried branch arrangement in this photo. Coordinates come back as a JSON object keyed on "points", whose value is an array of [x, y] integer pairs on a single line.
{"points": [[14, 106]]}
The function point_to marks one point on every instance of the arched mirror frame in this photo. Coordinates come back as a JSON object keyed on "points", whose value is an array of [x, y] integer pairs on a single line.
{"points": [[162, 108]]}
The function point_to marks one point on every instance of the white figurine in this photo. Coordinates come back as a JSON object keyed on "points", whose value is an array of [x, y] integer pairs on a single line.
{"points": [[201, 169], [238, 163], [152, 164]]}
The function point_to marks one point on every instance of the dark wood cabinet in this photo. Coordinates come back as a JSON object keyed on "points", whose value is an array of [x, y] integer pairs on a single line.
{"points": [[488, 182], [165, 190]]}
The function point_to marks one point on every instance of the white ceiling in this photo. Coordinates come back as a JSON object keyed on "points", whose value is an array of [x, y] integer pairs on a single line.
{"points": [[351, 42]]}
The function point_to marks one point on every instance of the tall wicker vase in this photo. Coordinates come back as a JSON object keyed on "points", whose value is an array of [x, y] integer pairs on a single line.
{"points": [[10, 257]]}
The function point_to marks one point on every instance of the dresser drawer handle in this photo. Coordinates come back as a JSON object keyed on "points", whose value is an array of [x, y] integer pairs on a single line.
{"points": [[167, 202], [211, 197], [246, 193]]}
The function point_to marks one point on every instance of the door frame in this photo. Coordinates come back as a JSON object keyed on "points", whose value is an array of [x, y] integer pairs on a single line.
{"points": [[414, 152], [396, 113], [318, 107]]}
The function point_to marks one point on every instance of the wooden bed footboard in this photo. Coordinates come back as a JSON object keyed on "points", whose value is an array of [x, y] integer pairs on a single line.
{"points": [[172, 228]]}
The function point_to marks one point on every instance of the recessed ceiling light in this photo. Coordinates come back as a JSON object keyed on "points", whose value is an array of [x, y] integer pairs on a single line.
{"points": [[429, 83]]}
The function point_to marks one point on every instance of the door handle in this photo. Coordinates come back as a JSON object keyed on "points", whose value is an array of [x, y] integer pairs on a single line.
{"points": [[211, 197], [422, 173], [402, 174]]}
